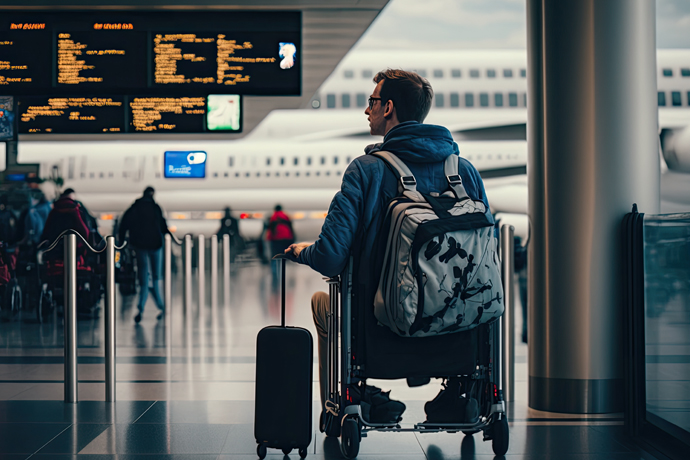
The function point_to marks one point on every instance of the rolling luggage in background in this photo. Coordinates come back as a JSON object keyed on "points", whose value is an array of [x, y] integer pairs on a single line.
{"points": [[284, 362]]}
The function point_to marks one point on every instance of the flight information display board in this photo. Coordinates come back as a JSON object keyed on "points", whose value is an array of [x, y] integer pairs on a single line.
{"points": [[7, 119], [150, 53], [71, 115]]}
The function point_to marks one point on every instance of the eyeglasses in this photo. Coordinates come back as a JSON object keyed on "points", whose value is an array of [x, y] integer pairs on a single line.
{"points": [[371, 101]]}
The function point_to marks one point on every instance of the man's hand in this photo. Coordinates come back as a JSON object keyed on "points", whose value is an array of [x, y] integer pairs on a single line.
{"points": [[296, 248]]}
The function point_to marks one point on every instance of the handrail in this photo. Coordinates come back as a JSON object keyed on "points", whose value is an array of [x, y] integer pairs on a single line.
{"points": [[71, 231]]}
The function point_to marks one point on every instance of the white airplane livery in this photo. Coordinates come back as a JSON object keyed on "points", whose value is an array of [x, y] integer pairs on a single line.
{"points": [[297, 157]]}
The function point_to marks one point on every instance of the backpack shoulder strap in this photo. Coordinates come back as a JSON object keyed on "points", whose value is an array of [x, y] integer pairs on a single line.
{"points": [[407, 180], [450, 168]]}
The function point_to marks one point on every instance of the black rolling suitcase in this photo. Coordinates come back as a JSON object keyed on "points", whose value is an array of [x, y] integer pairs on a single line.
{"points": [[283, 410]]}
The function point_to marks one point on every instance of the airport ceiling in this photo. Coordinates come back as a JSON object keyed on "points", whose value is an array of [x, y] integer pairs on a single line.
{"points": [[329, 30]]}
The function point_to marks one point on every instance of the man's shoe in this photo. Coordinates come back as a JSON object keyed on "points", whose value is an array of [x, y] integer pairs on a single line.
{"points": [[137, 319], [449, 406], [377, 406]]}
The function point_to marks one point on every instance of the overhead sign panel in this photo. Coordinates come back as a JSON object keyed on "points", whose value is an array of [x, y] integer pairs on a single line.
{"points": [[71, 115], [145, 53]]}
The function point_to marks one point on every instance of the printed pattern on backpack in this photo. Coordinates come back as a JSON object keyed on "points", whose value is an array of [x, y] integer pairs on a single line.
{"points": [[441, 272]]}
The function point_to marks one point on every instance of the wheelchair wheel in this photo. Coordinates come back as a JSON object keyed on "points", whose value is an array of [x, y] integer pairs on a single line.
{"points": [[349, 438], [501, 437], [45, 305], [12, 300]]}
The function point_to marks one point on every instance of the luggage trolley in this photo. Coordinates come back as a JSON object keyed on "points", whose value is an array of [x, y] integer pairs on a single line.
{"points": [[474, 356]]}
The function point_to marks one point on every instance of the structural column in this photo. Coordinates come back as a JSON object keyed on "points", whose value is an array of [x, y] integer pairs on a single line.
{"points": [[593, 152]]}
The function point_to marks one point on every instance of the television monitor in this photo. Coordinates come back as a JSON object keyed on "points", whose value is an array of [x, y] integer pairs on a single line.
{"points": [[185, 164], [224, 112]]}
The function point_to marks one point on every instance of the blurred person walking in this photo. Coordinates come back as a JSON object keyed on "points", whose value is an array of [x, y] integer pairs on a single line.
{"points": [[145, 224], [230, 226], [280, 235]]}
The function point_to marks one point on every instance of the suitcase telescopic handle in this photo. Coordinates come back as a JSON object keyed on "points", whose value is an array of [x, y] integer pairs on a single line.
{"points": [[283, 259]]}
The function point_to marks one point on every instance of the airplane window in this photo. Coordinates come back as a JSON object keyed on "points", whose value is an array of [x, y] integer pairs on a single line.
{"points": [[237, 174], [491, 73], [524, 99], [483, 99], [297, 174], [438, 73], [523, 73], [277, 174], [231, 161], [348, 160], [92, 175], [282, 161], [82, 175], [667, 72], [335, 160], [367, 74], [454, 100], [349, 74], [507, 73], [110, 174], [688, 97], [469, 100], [474, 73], [318, 173], [258, 174], [287, 173], [337, 173], [455, 73], [225, 175], [439, 100], [308, 160], [101, 175], [268, 174], [422, 73], [296, 161], [307, 174], [330, 101], [661, 96], [246, 174], [498, 100], [346, 101], [323, 160], [328, 173], [215, 174], [675, 98], [685, 72], [361, 100], [268, 161], [512, 99]]}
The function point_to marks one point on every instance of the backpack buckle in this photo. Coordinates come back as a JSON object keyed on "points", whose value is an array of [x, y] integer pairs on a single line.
{"points": [[455, 179], [408, 181]]}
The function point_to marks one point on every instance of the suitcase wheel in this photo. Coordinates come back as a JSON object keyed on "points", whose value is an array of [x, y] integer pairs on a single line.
{"points": [[261, 451], [303, 452], [287, 450]]}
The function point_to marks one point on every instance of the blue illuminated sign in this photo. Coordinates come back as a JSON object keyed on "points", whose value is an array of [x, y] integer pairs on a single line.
{"points": [[185, 164]]}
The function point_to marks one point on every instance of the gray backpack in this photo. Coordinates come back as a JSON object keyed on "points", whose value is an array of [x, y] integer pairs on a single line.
{"points": [[441, 272]]}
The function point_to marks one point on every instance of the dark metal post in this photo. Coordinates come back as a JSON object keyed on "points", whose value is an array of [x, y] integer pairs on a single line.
{"points": [[508, 319], [110, 319], [167, 296], [226, 270]]}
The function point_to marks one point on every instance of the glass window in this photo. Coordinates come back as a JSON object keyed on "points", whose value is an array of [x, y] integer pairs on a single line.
{"points": [[323, 160], [474, 73], [439, 100], [268, 161], [524, 99], [231, 161], [346, 101], [348, 160], [667, 72], [685, 72], [523, 73], [282, 161], [498, 100], [422, 73], [454, 100], [688, 97], [330, 101], [348, 74], [295, 161], [455, 73], [483, 99], [469, 100], [367, 74], [438, 73], [335, 160], [361, 100], [675, 98], [661, 96], [512, 99], [491, 73], [508, 73], [308, 161]]}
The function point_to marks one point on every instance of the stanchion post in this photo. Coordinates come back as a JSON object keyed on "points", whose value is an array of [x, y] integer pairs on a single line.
{"points": [[214, 272], [167, 295], [187, 276], [110, 319], [226, 270], [70, 318], [201, 258], [508, 319]]}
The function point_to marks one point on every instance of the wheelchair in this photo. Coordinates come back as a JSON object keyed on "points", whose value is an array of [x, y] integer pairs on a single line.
{"points": [[360, 348]]}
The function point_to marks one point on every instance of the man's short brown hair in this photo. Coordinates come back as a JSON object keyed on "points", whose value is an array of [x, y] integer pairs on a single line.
{"points": [[410, 93]]}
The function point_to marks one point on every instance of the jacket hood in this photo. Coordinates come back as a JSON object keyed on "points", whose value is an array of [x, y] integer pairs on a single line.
{"points": [[64, 203], [417, 143]]}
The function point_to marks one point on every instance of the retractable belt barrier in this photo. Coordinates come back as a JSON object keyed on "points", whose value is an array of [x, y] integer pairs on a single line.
{"points": [[70, 313]]}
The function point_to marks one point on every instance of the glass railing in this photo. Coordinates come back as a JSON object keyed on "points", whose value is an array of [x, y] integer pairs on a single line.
{"points": [[667, 321]]}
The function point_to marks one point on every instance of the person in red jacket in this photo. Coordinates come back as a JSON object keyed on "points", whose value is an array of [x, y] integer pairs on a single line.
{"points": [[279, 234]]}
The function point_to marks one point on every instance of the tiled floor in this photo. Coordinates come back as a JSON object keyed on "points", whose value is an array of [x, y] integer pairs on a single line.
{"points": [[200, 405]]}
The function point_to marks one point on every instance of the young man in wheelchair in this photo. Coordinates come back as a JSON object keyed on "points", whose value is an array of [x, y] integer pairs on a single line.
{"points": [[397, 108]]}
